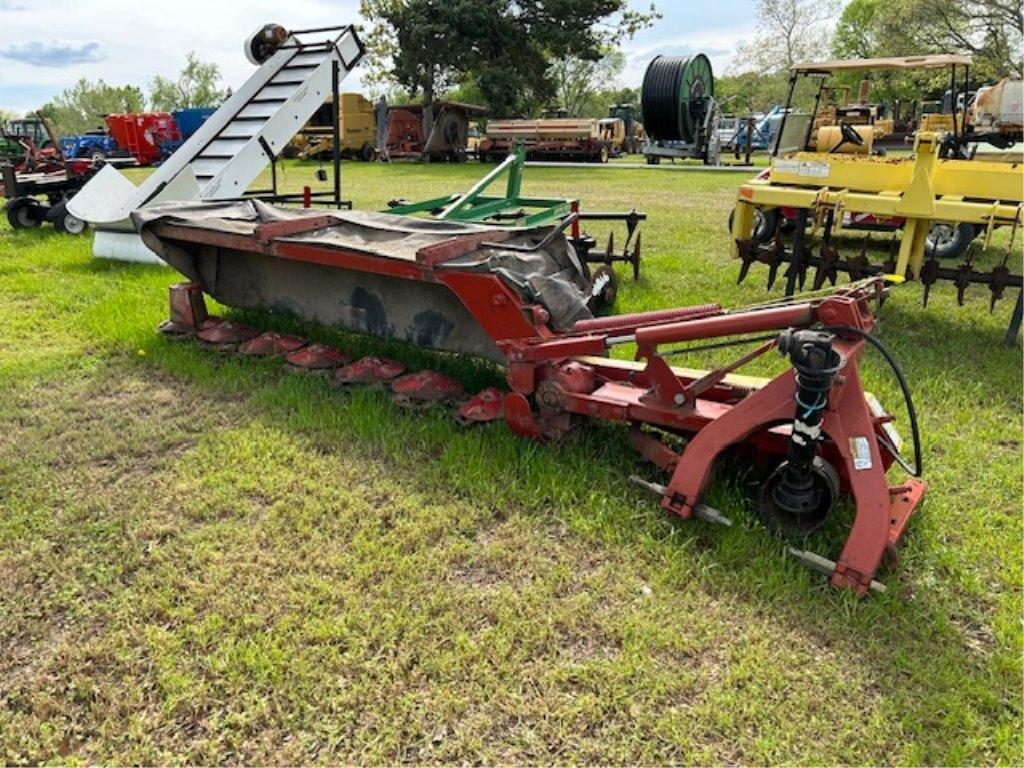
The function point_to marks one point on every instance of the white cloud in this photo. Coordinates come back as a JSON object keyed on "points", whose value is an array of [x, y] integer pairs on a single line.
{"points": [[53, 53], [138, 40]]}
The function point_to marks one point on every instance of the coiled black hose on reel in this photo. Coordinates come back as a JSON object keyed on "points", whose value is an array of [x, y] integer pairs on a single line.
{"points": [[675, 95]]}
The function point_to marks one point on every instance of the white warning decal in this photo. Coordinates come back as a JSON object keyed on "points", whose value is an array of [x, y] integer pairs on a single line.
{"points": [[861, 450], [803, 168]]}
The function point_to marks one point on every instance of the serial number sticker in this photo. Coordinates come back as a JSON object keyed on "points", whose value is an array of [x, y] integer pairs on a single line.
{"points": [[807, 168], [860, 448]]}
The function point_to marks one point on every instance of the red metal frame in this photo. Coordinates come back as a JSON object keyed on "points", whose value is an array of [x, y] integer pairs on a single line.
{"points": [[555, 376]]}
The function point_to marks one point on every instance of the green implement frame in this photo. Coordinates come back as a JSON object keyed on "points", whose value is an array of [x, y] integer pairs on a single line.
{"points": [[474, 205]]}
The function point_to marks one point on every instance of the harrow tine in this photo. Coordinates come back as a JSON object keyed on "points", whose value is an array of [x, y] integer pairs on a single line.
{"points": [[929, 274], [826, 269], [747, 250], [1000, 279], [1001, 273], [773, 258], [889, 265], [610, 249], [963, 280], [635, 256], [855, 266], [773, 272], [796, 272]]}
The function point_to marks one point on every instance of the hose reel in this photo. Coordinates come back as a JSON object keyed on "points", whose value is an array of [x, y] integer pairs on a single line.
{"points": [[676, 95]]}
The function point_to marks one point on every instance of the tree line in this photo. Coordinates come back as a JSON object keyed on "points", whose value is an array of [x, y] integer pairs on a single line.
{"points": [[518, 59], [81, 107], [790, 31]]}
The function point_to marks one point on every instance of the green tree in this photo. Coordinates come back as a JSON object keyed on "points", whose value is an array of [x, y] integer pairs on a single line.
{"points": [[505, 47], [990, 30], [857, 32], [750, 92], [196, 86], [577, 81], [82, 106], [788, 31]]}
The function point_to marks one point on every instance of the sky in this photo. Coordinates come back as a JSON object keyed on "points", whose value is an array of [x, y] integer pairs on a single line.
{"points": [[47, 46]]}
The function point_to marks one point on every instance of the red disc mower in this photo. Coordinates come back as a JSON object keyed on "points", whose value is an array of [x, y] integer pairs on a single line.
{"points": [[519, 296]]}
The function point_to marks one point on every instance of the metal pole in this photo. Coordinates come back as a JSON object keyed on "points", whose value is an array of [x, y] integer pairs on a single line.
{"points": [[952, 95], [750, 138], [967, 95], [336, 131], [814, 114]]}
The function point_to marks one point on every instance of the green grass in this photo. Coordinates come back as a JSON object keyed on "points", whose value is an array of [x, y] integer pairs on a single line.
{"points": [[203, 559]]}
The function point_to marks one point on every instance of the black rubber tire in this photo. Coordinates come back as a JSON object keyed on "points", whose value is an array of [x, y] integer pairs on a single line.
{"points": [[366, 153], [953, 241], [765, 224], [653, 160], [64, 222], [789, 523], [24, 213]]}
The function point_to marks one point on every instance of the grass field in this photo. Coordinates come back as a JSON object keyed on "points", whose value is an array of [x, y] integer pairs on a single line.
{"points": [[204, 559]]}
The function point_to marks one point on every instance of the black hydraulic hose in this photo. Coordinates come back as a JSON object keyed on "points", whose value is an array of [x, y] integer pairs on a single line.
{"points": [[915, 433]]}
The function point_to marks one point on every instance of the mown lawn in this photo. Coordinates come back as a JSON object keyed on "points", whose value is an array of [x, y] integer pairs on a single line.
{"points": [[204, 559]]}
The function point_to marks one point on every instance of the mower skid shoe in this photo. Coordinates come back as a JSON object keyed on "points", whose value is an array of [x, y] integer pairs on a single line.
{"points": [[225, 336], [484, 407], [424, 388], [271, 344], [368, 370], [188, 313], [316, 358]]}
